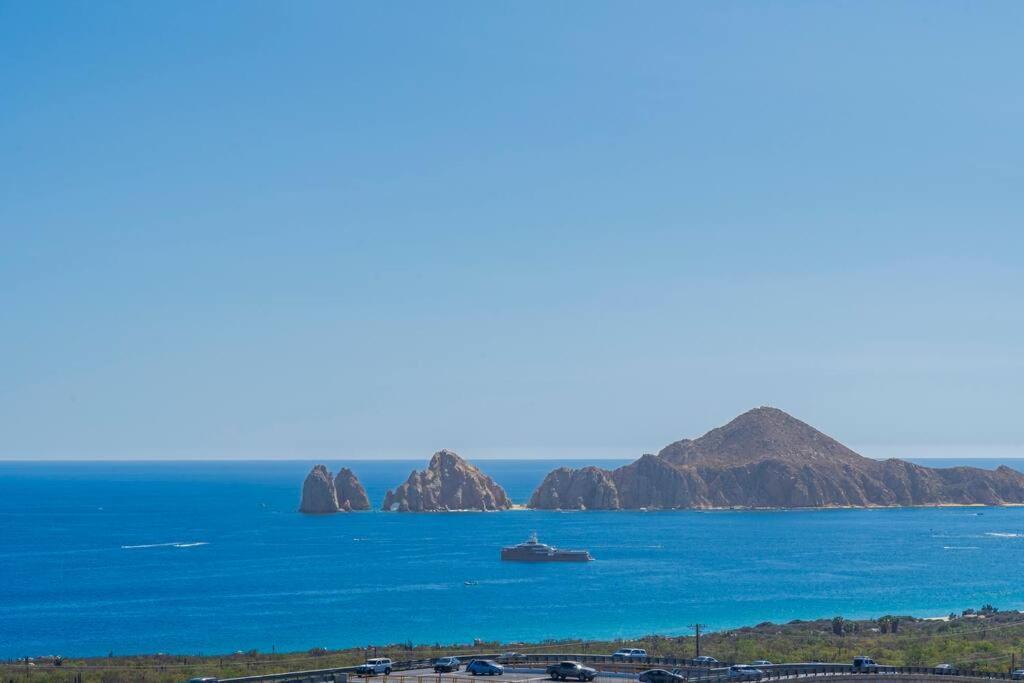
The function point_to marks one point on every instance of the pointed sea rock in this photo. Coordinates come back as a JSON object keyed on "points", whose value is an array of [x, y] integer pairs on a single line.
{"points": [[351, 494], [318, 494]]}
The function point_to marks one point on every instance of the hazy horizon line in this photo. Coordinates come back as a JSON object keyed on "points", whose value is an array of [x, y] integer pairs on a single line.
{"points": [[931, 453]]}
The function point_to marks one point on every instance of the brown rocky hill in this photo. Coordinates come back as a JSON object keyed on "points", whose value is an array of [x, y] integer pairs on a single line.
{"points": [[766, 458], [448, 483]]}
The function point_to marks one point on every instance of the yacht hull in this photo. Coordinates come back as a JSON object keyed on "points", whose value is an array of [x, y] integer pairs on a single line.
{"points": [[510, 555]]}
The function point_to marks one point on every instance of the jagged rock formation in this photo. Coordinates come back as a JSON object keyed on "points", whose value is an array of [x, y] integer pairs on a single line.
{"points": [[318, 494], [766, 458], [448, 483], [351, 494], [323, 495], [588, 488]]}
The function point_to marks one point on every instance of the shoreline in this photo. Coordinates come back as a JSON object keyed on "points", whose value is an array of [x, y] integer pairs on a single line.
{"points": [[895, 640], [734, 508], [767, 629]]}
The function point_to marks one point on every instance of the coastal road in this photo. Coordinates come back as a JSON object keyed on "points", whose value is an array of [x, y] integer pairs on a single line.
{"points": [[426, 675], [534, 672]]}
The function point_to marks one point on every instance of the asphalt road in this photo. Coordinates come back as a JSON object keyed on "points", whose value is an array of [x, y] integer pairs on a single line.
{"points": [[426, 675]]}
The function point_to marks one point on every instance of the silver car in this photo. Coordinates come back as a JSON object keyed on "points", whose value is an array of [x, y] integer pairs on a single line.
{"points": [[661, 676], [742, 672], [569, 669]]}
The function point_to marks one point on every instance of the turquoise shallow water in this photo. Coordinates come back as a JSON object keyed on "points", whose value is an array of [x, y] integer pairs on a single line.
{"points": [[212, 557]]}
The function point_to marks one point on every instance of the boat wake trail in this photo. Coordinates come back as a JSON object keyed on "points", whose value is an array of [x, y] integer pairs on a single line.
{"points": [[173, 544]]}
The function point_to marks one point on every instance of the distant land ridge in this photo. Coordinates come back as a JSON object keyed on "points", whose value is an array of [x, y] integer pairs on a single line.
{"points": [[766, 458]]}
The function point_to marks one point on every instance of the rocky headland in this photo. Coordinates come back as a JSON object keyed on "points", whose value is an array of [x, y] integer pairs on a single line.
{"points": [[448, 483], [766, 458], [322, 494]]}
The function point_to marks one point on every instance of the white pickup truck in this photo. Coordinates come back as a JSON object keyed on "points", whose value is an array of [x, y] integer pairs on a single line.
{"points": [[372, 667]]}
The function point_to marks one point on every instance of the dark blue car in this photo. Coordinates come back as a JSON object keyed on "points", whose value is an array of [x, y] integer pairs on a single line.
{"points": [[479, 667]]}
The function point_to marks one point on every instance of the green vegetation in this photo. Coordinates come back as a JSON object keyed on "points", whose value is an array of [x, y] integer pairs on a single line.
{"points": [[984, 639], [990, 641]]}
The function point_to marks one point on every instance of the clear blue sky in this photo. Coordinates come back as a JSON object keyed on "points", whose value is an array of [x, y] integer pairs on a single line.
{"points": [[323, 229]]}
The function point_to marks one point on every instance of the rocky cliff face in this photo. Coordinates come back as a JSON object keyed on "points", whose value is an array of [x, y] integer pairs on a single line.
{"points": [[318, 494], [448, 483], [323, 495], [588, 488], [351, 494], [766, 458]]}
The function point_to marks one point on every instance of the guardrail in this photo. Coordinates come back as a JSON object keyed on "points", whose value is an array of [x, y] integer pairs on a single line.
{"points": [[645, 662], [777, 671], [330, 675], [694, 672]]}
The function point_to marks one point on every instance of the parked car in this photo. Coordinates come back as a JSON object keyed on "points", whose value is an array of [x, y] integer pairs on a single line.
{"points": [[628, 653], [485, 667], [865, 664], [661, 676], [203, 679], [945, 670], [372, 667], [445, 665], [564, 670], [761, 662], [704, 660], [1017, 675], [742, 672]]}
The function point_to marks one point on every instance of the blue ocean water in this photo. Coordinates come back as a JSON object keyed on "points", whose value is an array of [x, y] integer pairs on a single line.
{"points": [[212, 557]]}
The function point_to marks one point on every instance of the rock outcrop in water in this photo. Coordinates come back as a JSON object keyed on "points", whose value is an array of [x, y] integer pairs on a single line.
{"points": [[318, 494], [768, 459], [448, 483], [351, 494], [322, 494]]}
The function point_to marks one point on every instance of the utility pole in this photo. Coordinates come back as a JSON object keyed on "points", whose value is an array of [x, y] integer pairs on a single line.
{"points": [[696, 629]]}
